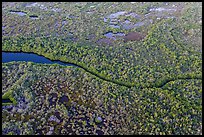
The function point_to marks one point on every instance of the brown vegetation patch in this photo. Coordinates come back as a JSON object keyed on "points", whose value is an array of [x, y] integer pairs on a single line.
{"points": [[134, 36]]}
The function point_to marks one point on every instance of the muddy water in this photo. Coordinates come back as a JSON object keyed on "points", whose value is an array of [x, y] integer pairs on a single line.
{"points": [[114, 36], [134, 36], [111, 37]]}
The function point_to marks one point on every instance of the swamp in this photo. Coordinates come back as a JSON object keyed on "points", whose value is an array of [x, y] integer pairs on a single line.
{"points": [[101, 68]]}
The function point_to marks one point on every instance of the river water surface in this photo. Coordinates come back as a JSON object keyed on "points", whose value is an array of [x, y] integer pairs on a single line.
{"points": [[29, 57]]}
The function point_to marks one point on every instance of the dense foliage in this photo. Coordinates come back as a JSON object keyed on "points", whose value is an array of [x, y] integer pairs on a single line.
{"points": [[150, 84], [54, 99]]}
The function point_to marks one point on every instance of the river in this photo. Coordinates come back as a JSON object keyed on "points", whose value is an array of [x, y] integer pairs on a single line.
{"points": [[29, 57]]}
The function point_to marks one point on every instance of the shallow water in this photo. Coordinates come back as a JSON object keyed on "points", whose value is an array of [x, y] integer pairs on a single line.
{"points": [[41, 6], [33, 17], [20, 13], [161, 9], [117, 14], [127, 24], [56, 9], [114, 35], [147, 19], [139, 24], [32, 5], [134, 15]]}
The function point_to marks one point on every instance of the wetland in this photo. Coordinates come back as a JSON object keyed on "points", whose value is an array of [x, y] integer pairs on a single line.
{"points": [[102, 68]]}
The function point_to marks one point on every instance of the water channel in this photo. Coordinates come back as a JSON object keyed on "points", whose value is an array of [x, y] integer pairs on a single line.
{"points": [[20, 56], [28, 57]]}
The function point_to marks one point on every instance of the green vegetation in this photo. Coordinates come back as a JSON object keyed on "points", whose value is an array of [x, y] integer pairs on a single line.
{"points": [[136, 111], [87, 56], [152, 86]]}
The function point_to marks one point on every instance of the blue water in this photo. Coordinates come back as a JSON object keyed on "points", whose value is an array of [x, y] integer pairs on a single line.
{"points": [[6, 101], [29, 57]]}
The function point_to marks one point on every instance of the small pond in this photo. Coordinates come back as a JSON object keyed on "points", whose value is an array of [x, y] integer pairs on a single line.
{"points": [[114, 21], [112, 35], [135, 20]]}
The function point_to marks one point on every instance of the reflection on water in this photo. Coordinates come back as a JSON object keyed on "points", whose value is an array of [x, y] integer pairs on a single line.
{"points": [[41, 6], [117, 14], [162, 9], [113, 36], [32, 5], [134, 15], [28, 57], [20, 13], [56, 9], [129, 25], [154, 14], [114, 22]]}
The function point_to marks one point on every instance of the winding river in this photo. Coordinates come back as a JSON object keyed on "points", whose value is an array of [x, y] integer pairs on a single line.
{"points": [[20, 56], [32, 57]]}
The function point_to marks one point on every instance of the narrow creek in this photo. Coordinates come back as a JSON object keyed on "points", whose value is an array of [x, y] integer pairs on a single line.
{"points": [[32, 57], [28, 57]]}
